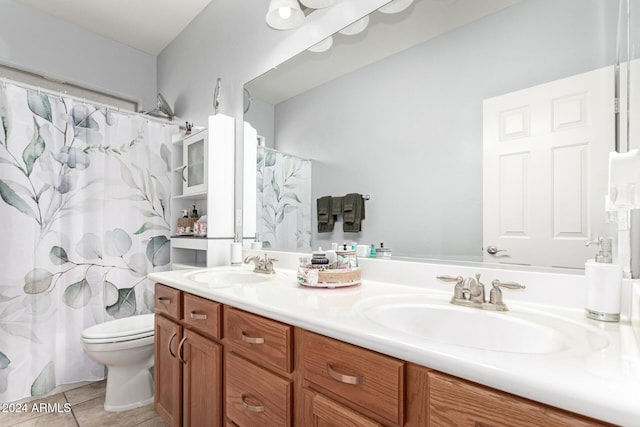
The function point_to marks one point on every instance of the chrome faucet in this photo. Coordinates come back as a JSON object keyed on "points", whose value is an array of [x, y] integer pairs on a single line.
{"points": [[262, 265], [469, 292]]}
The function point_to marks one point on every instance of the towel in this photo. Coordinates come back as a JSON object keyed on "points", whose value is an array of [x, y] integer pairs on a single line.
{"points": [[336, 206], [352, 212], [325, 214]]}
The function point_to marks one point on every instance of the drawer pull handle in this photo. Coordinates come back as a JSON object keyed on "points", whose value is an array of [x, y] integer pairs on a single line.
{"points": [[250, 407], [252, 340], [346, 379], [169, 345], [181, 351], [197, 316], [164, 301]]}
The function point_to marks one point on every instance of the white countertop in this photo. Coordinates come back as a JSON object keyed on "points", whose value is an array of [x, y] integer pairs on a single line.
{"points": [[599, 378]]}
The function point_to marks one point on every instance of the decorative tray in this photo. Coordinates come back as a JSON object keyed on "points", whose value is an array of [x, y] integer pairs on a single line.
{"points": [[329, 278]]}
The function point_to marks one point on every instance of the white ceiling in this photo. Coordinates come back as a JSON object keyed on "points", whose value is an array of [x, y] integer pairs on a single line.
{"points": [[146, 25]]}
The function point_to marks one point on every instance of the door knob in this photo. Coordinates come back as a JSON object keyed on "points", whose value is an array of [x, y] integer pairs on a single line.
{"points": [[492, 250]]}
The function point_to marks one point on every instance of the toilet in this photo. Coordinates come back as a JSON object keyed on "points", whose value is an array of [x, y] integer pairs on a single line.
{"points": [[126, 347]]}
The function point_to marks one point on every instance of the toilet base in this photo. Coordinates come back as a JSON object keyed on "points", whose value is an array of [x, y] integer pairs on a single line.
{"points": [[128, 388]]}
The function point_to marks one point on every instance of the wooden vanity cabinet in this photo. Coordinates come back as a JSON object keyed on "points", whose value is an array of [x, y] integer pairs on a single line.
{"points": [[188, 359], [276, 375], [456, 402]]}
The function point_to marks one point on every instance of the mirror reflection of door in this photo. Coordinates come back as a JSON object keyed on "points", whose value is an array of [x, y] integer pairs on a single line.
{"points": [[545, 168]]}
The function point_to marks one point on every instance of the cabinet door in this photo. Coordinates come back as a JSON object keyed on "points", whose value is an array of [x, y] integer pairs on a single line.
{"points": [[167, 369], [455, 402], [202, 379], [327, 413], [194, 156]]}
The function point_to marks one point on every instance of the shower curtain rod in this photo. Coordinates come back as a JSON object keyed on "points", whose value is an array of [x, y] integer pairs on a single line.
{"points": [[286, 154], [60, 95]]}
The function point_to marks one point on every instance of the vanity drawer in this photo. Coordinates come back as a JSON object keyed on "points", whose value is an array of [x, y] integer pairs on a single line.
{"points": [[262, 340], [370, 380], [255, 396], [202, 314], [168, 301]]}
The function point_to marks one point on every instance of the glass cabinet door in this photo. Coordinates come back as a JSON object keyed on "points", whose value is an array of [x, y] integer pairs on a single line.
{"points": [[195, 155]]}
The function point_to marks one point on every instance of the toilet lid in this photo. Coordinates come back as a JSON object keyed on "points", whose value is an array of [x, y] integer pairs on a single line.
{"points": [[124, 329]]}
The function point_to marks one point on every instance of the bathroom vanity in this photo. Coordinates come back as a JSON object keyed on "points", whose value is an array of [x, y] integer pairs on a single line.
{"points": [[237, 348]]}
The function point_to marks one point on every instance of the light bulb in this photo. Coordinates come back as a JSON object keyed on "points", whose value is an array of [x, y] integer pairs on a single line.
{"points": [[284, 12]]}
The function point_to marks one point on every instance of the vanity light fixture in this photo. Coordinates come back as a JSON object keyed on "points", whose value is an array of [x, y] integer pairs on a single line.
{"points": [[318, 4], [322, 46], [395, 6], [355, 28], [284, 14]]}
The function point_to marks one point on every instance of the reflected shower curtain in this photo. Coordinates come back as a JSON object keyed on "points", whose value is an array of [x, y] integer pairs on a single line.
{"points": [[84, 216], [283, 197]]}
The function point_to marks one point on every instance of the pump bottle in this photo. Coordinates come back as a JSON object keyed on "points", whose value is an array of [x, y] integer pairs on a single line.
{"points": [[604, 280]]}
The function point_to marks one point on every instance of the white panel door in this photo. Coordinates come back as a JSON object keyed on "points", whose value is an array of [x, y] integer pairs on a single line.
{"points": [[545, 162]]}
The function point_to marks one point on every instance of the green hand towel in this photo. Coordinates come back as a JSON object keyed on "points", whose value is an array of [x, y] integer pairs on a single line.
{"points": [[352, 212], [325, 216], [336, 206]]}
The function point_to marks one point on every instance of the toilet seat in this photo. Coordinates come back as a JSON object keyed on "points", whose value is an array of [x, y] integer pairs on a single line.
{"points": [[120, 330]]}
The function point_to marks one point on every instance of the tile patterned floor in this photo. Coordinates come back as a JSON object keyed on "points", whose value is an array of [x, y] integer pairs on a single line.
{"points": [[79, 407]]}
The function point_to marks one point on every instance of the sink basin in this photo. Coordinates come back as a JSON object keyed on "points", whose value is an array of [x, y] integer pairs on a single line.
{"points": [[225, 278], [528, 332]]}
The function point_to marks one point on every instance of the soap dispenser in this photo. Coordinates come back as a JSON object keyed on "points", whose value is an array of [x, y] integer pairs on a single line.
{"points": [[604, 281]]}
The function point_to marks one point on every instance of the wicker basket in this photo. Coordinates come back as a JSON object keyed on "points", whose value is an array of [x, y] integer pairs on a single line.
{"points": [[184, 224], [329, 278]]}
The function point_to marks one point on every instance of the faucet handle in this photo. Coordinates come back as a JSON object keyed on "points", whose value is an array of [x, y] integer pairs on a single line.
{"points": [[495, 297], [268, 258], [458, 279], [458, 293], [497, 284]]}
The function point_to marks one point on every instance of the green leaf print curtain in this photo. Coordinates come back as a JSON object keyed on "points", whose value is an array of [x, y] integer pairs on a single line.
{"points": [[283, 200], [84, 216]]}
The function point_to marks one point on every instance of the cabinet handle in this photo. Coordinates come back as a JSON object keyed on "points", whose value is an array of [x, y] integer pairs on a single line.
{"points": [[346, 379], [164, 301], [180, 349], [169, 346], [184, 168], [252, 340], [197, 316], [250, 407]]}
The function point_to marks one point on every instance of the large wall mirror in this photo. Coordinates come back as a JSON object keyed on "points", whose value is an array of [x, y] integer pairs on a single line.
{"points": [[402, 112]]}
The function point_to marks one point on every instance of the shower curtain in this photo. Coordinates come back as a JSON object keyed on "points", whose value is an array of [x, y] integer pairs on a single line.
{"points": [[283, 200], [84, 216]]}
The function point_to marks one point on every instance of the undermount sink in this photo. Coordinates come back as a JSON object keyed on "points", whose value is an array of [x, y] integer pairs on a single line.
{"points": [[227, 277], [527, 332]]}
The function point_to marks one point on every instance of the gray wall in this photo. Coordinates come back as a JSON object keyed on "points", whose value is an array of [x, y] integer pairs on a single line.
{"points": [[408, 130], [33, 41]]}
